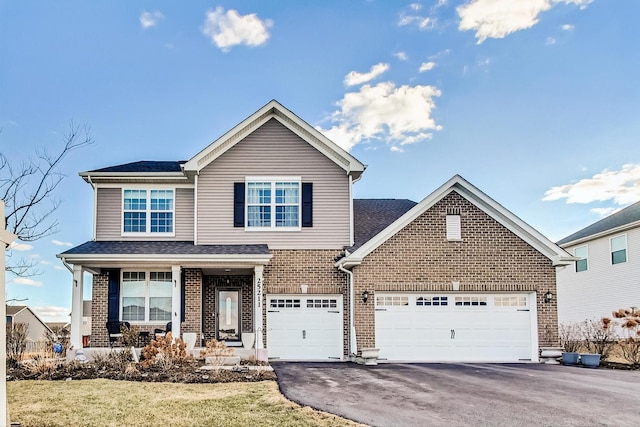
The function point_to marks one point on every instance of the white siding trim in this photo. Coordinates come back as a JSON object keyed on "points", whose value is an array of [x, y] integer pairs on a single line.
{"points": [[195, 210]]}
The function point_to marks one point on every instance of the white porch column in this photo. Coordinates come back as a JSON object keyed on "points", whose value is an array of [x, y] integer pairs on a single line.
{"points": [[258, 287], [76, 307], [176, 301], [6, 238]]}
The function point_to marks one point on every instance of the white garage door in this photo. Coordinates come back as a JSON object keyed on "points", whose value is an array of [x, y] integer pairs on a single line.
{"points": [[453, 327], [305, 327]]}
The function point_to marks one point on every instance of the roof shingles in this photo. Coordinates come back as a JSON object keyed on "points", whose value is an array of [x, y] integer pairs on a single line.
{"points": [[628, 215]]}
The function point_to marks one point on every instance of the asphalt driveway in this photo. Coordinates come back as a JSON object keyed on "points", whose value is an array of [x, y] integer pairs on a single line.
{"points": [[465, 394]]}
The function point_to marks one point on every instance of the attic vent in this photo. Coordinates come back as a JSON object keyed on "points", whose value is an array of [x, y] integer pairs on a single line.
{"points": [[454, 231], [453, 211]]}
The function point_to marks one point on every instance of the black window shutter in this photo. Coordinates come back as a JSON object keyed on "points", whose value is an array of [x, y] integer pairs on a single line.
{"points": [[183, 297], [113, 307], [238, 204], [307, 204]]}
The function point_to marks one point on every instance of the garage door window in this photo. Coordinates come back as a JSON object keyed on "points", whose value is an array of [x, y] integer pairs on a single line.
{"points": [[385, 300], [284, 303], [322, 303], [471, 301], [510, 301], [432, 301]]}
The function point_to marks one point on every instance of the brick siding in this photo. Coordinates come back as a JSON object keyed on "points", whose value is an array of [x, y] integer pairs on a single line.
{"points": [[489, 258]]}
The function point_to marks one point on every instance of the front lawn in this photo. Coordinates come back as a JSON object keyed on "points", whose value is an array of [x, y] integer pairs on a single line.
{"points": [[104, 402]]}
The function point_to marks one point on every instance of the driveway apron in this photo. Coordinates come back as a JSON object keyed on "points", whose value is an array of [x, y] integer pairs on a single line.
{"points": [[465, 394]]}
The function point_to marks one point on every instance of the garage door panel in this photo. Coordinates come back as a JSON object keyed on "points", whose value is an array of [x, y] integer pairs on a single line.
{"points": [[460, 327], [312, 330]]}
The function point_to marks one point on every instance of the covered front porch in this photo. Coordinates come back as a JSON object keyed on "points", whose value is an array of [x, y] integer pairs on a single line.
{"points": [[214, 293]]}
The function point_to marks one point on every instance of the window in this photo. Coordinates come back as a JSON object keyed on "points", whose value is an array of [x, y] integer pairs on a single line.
{"points": [[284, 303], [453, 227], [582, 264], [273, 203], [322, 303], [510, 301], [471, 301], [389, 300], [147, 211], [146, 296], [431, 301], [618, 249]]}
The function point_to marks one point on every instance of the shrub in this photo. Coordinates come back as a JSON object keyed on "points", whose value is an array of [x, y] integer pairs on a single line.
{"points": [[41, 367], [164, 353], [16, 341], [599, 336], [113, 360], [570, 337], [630, 345], [60, 334], [218, 350], [129, 336]]}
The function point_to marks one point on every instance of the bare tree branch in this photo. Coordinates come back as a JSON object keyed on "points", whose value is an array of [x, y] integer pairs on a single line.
{"points": [[28, 190]]}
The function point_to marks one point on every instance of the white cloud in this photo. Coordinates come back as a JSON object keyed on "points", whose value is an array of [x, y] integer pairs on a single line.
{"points": [[356, 78], [20, 246], [384, 112], [602, 212], [622, 187], [52, 313], [229, 29], [550, 41], [422, 22], [396, 149], [498, 18], [59, 243], [43, 262], [426, 66], [59, 267], [415, 6], [150, 19], [402, 56], [27, 282], [568, 27]]}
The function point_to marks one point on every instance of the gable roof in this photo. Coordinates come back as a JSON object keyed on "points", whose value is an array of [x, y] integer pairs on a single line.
{"points": [[274, 110], [628, 217], [492, 208], [12, 310], [371, 216]]}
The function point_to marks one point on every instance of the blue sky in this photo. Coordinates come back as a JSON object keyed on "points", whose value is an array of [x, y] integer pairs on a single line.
{"points": [[536, 102]]}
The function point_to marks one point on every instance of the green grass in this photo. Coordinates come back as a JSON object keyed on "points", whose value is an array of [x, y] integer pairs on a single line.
{"points": [[124, 403]]}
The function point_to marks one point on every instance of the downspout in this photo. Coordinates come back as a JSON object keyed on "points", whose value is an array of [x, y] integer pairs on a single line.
{"points": [[353, 344], [95, 213]]}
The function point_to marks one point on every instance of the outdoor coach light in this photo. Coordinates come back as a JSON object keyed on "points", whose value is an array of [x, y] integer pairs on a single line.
{"points": [[365, 295], [548, 296]]}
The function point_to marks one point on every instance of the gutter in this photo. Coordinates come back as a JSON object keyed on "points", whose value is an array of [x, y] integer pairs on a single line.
{"points": [[64, 261], [353, 347], [95, 208]]}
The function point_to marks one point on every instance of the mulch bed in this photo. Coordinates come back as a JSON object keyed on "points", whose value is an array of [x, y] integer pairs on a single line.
{"points": [[188, 372], [618, 365]]}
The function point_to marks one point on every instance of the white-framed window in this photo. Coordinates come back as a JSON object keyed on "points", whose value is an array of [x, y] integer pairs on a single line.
{"points": [[273, 203], [148, 211], [146, 296], [454, 231], [618, 246], [583, 263]]}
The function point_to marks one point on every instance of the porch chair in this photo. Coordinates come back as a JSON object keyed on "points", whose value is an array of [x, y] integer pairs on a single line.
{"points": [[114, 331], [161, 333]]}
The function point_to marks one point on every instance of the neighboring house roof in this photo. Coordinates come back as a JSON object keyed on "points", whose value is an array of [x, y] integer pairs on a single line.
{"points": [[14, 310], [163, 251], [275, 110], [371, 216], [492, 208], [52, 325], [147, 170], [628, 217]]}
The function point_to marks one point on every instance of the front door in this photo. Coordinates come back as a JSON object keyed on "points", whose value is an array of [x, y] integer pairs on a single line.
{"points": [[228, 325]]}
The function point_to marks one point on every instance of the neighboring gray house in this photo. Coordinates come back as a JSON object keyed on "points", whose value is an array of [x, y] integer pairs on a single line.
{"points": [[23, 314], [607, 275]]}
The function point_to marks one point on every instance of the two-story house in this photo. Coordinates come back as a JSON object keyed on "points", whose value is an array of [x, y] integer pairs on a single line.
{"points": [[605, 276], [259, 233]]}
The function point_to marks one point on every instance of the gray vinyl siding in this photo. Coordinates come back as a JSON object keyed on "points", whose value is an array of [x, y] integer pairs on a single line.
{"points": [[109, 220], [273, 150]]}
